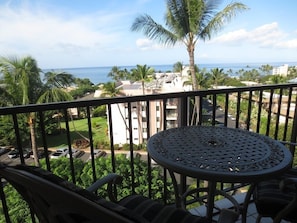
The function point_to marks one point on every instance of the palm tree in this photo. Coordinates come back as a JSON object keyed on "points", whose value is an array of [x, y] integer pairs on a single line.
{"points": [[59, 79], [110, 89], [277, 79], [217, 75], [142, 73], [188, 21], [201, 78], [266, 69], [117, 74], [178, 67], [21, 78]]}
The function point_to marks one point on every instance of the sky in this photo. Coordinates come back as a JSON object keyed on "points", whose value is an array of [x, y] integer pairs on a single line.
{"points": [[96, 33]]}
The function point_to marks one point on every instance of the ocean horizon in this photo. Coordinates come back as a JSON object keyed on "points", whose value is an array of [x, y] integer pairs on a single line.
{"points": [[99, 75]]}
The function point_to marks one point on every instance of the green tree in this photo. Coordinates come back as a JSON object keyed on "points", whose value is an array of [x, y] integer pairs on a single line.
{"points": [[82, 87], [266, 69], [178, 67], [21, 78], [142, 73], [277, 79], [110, 89], [118, 74], [58, 79], [250, 75], [201, 78], [217, 76]]}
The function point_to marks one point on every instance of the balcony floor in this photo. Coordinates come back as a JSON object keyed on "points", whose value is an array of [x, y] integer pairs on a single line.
{"points": [[224, 203]]}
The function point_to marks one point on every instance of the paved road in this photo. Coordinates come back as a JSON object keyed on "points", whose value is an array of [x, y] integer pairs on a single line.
{"points": [[220, 114]]}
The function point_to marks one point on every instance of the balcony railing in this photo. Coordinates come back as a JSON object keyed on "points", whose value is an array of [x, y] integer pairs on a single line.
{"points": [[270, 110]]}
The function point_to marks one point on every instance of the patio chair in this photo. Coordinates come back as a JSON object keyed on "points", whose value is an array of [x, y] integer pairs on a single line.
{"points": [[53, 200], [277, 198]]}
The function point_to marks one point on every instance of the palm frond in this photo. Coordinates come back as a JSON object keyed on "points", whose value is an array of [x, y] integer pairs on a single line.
{"points": [[220, 18], [153, 30]]}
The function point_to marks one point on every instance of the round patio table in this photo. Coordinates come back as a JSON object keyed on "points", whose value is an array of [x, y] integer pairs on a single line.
{"points": [[219, 154]]}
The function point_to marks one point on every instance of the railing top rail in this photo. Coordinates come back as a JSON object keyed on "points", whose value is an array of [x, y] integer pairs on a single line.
{"points": [[127, 99]]}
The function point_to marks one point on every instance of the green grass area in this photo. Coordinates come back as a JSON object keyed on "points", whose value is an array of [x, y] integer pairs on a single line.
{"points": [[78, 130]]}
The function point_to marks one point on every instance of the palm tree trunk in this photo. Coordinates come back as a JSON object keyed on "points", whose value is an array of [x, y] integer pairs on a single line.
{"points": [[124, 119], [142, 84], [191, 49], [192, 67], [33, 140]]}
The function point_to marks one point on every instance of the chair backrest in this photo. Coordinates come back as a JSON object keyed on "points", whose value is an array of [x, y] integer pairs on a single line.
{"points": [[54, 200]]}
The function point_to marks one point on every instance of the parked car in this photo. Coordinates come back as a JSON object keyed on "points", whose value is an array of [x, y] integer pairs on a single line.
{"points": [[13, 154], [26, 152], [61, 152], [40, 154], [75, 153], [98, 153], [3, 150]]}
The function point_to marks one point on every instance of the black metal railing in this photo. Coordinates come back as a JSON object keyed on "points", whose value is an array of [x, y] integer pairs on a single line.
{"points": [[268, 110]]}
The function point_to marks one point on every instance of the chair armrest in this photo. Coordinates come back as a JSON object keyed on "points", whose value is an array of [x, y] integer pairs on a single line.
{"points": [[111, 179]]}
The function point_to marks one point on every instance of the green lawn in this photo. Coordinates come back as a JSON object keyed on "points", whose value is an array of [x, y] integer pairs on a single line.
{"points": [[79, 128]]}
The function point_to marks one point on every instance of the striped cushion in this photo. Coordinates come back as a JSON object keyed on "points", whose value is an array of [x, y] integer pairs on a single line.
{"points": [[155, 212], [269, 199]]}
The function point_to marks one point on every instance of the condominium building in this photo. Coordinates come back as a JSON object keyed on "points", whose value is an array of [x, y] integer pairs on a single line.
{"points": [[132, 116], [281, 70]]}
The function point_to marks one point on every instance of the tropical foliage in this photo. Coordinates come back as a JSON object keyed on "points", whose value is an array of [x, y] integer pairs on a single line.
{"points": [[22, 85]]}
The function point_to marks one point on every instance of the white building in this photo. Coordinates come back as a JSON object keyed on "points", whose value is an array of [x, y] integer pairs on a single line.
{"points": [[164, 83], [281, 70]]}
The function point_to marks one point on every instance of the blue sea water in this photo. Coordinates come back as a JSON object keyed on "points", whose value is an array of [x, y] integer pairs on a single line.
{"points": [[100, 74]]}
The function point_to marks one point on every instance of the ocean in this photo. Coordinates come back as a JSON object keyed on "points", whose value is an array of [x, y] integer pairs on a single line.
{"points": [[100, 74]]}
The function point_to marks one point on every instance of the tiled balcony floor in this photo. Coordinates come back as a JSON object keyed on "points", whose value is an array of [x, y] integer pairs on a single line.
{"points": [[224, 203]]}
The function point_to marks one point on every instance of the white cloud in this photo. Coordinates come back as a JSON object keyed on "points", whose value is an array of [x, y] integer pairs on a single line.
{"points": [[146, 44], [268, 35], [42, 33], [290, 44]]}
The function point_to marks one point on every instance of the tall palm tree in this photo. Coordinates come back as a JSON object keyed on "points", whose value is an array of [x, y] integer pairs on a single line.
{"points": [[188, 21], [142, 73], [21, 78], [110, 89], [115, 73]]}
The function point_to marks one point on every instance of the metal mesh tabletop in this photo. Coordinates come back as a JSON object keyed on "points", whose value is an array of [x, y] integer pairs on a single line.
{"points": [[219, 153]]}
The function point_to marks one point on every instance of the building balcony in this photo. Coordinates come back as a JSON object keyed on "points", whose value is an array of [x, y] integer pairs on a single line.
{"points": [[247, 108]]}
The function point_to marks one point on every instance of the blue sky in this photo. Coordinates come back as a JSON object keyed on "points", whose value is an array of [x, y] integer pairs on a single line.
{"points": [[82, 33]]}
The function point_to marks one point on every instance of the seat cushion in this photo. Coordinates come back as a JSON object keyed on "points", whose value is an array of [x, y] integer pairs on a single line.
{"points": [[155, 212]]}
